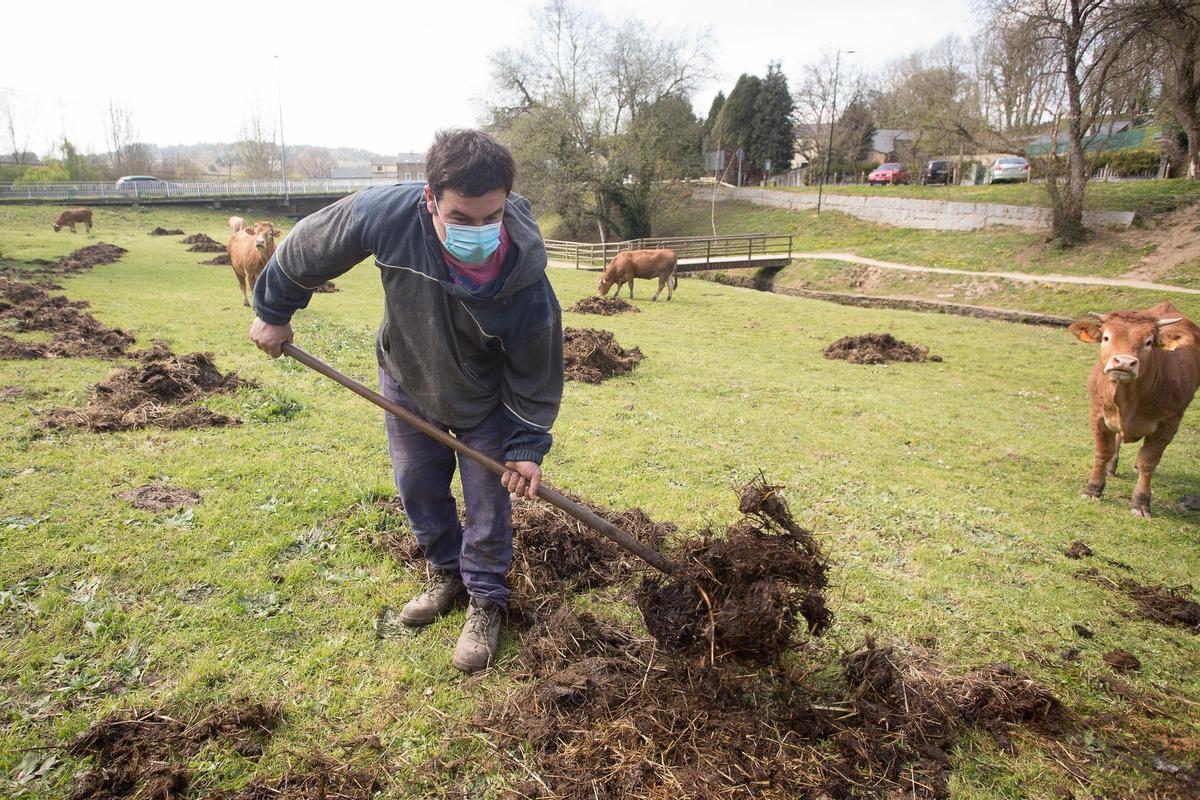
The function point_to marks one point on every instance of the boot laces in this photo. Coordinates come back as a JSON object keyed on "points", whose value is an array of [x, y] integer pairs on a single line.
{"points": [[480, 619]]}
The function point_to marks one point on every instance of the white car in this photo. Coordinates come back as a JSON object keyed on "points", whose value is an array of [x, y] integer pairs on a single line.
{"points": [[1008, 168]]}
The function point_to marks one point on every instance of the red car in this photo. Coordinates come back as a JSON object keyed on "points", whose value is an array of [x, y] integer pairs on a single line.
{"points": [[889, 173]]}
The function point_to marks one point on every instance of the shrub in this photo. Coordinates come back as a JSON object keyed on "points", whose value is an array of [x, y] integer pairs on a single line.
{"points": [[1124, 163]]}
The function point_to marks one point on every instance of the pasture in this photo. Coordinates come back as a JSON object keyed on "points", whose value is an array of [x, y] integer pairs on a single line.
{"points": [[944, 493]]}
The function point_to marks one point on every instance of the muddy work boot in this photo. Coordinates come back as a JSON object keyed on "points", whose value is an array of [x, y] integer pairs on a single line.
{"points": [[444, 592], [479, 638]]}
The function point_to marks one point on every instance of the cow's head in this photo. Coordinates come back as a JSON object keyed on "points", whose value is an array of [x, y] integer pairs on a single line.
{"points": [[1127, 340], [56, 226], [264, 234], [606, 282]]}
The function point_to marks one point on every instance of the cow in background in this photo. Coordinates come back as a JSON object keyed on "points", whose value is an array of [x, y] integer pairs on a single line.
{"points": [[249, 251], [1147, 373], [236, 224], [72, 216], [630, 264]]}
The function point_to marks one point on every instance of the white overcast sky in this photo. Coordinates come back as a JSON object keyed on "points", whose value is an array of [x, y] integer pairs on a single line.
{"points": [[378, 75]]}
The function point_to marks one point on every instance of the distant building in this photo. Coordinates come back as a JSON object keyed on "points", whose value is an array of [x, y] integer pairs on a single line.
{"points": [[405, 167], [891, 144], [355, 171]]}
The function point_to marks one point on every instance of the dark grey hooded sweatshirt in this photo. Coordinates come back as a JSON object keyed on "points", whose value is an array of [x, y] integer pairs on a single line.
{"points": [[458, 355]]}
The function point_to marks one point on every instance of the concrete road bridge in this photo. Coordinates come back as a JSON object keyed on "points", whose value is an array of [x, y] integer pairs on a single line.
{"points": [[695, 253], [216, 193]]}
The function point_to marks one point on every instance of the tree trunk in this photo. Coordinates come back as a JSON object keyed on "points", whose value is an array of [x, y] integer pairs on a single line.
{"points": [[1067, 203]]}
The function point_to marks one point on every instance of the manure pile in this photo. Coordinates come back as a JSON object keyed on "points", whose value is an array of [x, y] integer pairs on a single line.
{"points": [[707, 707], [593, 356], [604, 306], [77, 334], [877, 348], [160, 392]]}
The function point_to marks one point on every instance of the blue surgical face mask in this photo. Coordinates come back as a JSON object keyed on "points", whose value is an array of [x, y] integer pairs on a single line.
{"points": [[471, 244]]}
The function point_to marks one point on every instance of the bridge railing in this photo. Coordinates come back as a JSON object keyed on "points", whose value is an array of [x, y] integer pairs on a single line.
{"points": [[708, 248], [183, 190]]}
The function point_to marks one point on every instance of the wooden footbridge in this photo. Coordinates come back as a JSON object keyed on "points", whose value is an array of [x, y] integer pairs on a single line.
{"points": [[695, 253]]}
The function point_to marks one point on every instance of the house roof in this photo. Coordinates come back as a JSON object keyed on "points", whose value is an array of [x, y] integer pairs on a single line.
{"points": [[401, 158], [884, 140]]}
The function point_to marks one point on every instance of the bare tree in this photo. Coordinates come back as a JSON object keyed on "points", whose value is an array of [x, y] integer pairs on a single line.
{"points": [[1016, 79], [569, 103], [126, 155], [1084, 39], [316, 162], [1174, 27], [255, 149], [814, 106], [15, 124]]}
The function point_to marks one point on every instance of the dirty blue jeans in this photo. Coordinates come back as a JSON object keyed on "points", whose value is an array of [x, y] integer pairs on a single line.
{"points": [[481, 550]]}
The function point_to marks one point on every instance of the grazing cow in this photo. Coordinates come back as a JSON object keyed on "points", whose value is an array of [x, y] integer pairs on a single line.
{"points": [[72, 216], [1148, 370], [249, 251], [630, 264], [236, 224]]}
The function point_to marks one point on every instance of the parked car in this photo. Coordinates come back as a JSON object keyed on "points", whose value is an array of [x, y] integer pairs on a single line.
{"points": [[937, 172], [129, 180], [889, 173], [1008, 168]]}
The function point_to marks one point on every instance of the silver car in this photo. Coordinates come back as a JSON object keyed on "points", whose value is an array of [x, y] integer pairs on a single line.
{"points": [[1008, 168]]}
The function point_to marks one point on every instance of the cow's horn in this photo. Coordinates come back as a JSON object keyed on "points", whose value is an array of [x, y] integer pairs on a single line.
{"points": [[1097, 316], [1162, 323]]}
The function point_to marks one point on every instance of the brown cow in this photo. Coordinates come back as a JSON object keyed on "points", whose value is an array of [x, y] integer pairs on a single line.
{"points": [[236, 224], [630, 264], [70, 217], [1148, 370], [249, 251]]}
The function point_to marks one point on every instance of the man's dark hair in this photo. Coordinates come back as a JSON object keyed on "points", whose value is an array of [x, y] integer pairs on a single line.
{"points": [[471, 163]]}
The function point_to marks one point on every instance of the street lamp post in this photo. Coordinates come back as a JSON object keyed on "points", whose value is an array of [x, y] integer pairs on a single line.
{"points": [[837, 63], [282, 147]]}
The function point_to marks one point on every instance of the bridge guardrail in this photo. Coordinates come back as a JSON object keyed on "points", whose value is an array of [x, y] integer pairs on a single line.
{"points": [[598, 254], [183, 190]]}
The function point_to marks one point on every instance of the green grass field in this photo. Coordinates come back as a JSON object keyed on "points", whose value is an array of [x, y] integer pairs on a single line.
{"points": [[1107, 254], [1143, 197], [945, 494]]}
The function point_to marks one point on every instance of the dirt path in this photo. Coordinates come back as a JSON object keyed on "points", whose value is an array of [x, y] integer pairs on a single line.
{"points": [[1021, 277]]}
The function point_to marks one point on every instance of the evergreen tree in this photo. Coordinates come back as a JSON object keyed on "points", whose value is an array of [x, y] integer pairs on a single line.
{"points": [[771, 130], [737, 114], [714, 111]]}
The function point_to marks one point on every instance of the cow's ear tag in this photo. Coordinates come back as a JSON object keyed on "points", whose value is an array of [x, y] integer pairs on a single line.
{"points": [[1086, 330]]}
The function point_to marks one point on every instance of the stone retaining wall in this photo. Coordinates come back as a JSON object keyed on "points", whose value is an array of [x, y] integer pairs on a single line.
{"points": [[945, 215]]}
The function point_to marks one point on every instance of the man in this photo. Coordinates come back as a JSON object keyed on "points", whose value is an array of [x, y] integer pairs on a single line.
{"points": [[471, 340]]}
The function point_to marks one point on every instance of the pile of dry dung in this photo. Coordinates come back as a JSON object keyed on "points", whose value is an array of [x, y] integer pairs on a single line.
{"points": [[160, 231], [554, 554], [592, 356], [157, 393], [145, 754], [605, 306], [76, 333], [327, 779], [598, 712], [996, 697], [198, 238], [877, 348], [740, 594], [221, 259], [328, 287], [81, 260], [210, 246], [1162, 604], [160, 497]]}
